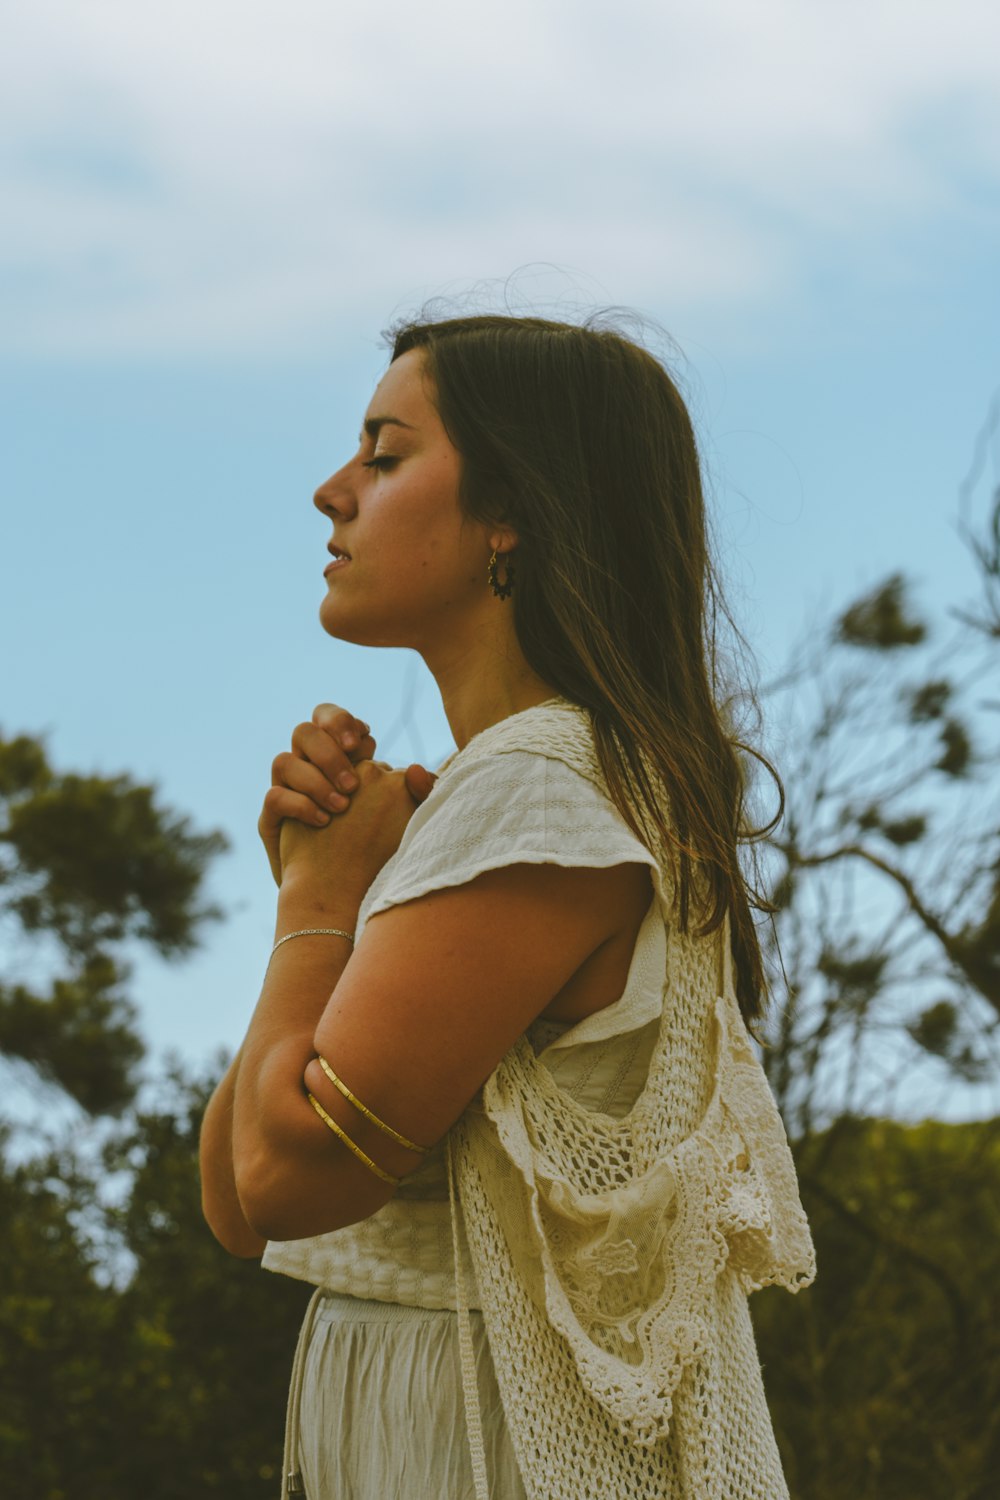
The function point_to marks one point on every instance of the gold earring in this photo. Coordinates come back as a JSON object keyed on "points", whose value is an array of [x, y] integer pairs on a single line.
{"points": [[501, 590]]}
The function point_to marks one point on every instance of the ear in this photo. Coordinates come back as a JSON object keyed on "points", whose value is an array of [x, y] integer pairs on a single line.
{"points": [[503, 541]]}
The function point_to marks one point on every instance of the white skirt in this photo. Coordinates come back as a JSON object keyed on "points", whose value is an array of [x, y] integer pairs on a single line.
{"points": [[376, 1409]]}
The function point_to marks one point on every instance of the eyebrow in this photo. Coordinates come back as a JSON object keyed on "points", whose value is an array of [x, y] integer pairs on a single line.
{"points": [[374, 424]]}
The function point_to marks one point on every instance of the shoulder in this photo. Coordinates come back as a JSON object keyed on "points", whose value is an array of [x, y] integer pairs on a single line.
{"points": [[558, 731], [522, 794], [535, 770], [514, 805]]}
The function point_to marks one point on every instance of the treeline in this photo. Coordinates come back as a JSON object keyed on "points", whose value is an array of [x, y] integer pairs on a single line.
{"points": [[883, 1377]]}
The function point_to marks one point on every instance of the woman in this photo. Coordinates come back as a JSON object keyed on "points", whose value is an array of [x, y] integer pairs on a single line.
{"points": [[497, 1101]]}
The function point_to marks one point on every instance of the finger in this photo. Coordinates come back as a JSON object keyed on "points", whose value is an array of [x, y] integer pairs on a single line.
{"points": [[343, 726], [365, 769], [301, 776], [354, 736], [316, 747], [280, 803], [420, 781]]}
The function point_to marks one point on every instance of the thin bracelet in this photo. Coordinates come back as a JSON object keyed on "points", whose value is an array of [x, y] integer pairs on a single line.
{"points": [[313, 932], [342, 1086], [328, 1120]]}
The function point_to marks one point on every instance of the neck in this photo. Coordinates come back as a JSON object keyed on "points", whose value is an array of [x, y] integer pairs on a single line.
{"points": [[485, 683]]}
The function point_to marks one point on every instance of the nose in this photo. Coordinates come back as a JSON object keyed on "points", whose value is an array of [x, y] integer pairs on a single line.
{"points": [[335, 496]]}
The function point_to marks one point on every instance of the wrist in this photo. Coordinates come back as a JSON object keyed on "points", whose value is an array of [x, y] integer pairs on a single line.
{"points": [[301, 905]]}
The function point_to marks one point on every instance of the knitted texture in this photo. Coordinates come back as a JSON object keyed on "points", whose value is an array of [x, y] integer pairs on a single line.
{"points": [[613, 1256]]}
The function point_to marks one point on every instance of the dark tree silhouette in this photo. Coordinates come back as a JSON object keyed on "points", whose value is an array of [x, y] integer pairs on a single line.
{"points": [[90, 861]]}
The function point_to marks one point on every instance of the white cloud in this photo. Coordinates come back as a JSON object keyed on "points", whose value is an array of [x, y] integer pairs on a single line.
{"points": [[226, 176]]}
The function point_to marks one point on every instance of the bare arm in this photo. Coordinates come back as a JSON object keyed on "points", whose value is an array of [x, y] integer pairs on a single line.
{"points": [[316, 777], [289, 1170], [413, 1021], [220, 1203]]}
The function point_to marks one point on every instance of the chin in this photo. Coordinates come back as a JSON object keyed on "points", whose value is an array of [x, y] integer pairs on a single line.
{"points": [[339, 629], [343, 627]]}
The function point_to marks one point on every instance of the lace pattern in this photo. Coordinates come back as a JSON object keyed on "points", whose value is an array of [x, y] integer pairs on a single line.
{"points": [[608, 1251]]}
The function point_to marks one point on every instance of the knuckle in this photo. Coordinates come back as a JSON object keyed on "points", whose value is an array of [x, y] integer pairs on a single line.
{"points": [[324, 713], [323, 749], [280, 764]]}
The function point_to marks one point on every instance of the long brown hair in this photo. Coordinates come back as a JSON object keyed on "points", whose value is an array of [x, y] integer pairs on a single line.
{"points": [[577, 437]]}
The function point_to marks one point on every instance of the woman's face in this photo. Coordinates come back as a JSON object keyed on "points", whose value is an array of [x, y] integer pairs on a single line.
{"points": [[416, 575]]}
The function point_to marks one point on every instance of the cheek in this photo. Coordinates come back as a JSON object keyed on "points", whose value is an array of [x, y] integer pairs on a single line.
{"points": [[417, 529]]}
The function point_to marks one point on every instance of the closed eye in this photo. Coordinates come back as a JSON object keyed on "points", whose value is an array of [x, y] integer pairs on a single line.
{"points": [[380, 461]]}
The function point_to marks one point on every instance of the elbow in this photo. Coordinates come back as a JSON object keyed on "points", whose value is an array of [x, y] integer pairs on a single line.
{"points": [[244, 1244], [232, 1231], [261, 1201], [284, 1201]]}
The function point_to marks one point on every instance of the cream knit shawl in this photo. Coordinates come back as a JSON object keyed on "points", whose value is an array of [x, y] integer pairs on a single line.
{"points": [[613, 1256]]}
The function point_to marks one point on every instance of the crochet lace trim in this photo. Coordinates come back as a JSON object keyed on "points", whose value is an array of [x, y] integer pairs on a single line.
{"points": [[598, 1243]]}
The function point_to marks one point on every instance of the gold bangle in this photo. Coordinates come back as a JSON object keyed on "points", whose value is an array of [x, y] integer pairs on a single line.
{"points": [[342, 1086], [327, 1120]]}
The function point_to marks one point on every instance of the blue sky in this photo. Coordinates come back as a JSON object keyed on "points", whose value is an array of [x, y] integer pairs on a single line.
{"points": [[211, 211]]}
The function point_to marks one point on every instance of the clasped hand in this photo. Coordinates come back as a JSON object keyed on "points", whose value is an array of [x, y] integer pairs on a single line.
{"points": [[301, 823]]}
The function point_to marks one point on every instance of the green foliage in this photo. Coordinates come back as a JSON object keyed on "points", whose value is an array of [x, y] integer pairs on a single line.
{"points": [[889, 851], [81, 1035], [906, 830], [929, 700], [880, 620], [857, 976], [214, 1336], [91, 861], [939, 1030], [99, 861], [56, 1323], [23, 767], [172, 1384], [956, 749], [883, 1378], [977, 945]]}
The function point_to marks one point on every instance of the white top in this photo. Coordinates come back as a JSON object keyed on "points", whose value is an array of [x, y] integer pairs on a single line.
{"points": [[521, 807]]}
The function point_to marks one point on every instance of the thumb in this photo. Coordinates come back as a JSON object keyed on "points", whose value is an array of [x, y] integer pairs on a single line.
{"points": [[419, 781]]}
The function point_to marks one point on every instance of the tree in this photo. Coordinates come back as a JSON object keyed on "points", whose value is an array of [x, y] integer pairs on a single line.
{"points": [[86, 863], [883, 1378], [886, 871], [90, 861], [136, 1356]]}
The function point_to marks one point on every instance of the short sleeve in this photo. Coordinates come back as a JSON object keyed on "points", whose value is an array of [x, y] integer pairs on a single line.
{"points": [[515, 807]]}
